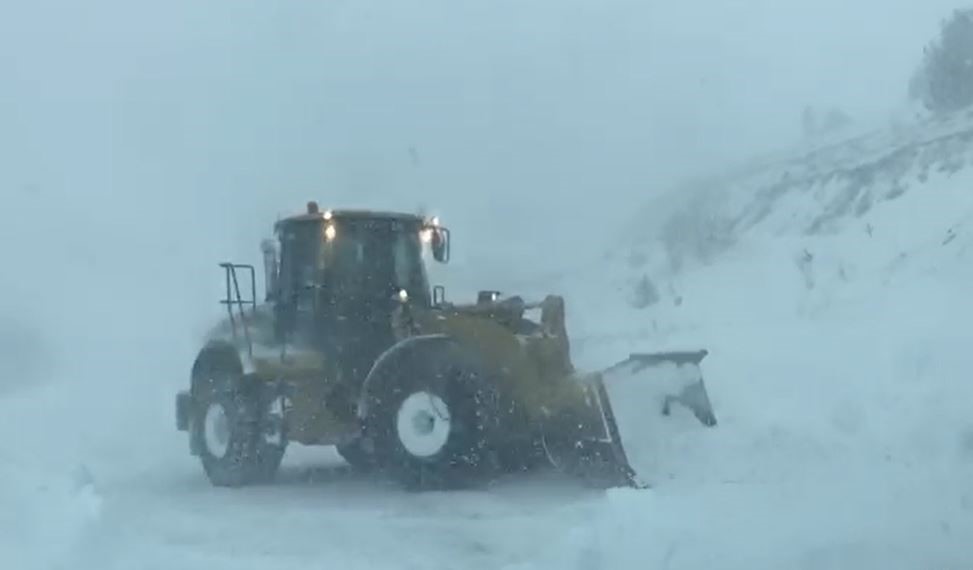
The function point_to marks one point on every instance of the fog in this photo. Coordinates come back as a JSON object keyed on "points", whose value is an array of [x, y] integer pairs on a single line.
{"points": [[142, 143]]}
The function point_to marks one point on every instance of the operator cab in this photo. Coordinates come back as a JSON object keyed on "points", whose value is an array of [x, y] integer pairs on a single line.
{"points": [[340, 274], [355, 252]]}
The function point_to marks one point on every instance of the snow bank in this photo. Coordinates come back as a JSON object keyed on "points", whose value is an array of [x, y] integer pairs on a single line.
{"points": [[839, 370], [845, 439], [46, 518]]}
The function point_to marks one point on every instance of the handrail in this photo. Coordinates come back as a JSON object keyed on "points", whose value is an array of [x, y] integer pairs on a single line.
{"points": [[234, 297]]}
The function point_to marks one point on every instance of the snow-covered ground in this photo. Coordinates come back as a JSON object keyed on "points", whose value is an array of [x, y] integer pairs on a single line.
{"points": [[838, 368]]}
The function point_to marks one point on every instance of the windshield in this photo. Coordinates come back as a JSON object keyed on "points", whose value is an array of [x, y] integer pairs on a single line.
{"points": [[376, 259], [366, 259]]}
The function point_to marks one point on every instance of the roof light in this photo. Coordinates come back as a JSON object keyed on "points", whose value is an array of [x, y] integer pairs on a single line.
{"points": [[435, 221], [328, 214]]}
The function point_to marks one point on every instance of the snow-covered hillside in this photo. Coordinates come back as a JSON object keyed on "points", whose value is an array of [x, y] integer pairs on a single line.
{"points": [[817, 189], [831, 295]]}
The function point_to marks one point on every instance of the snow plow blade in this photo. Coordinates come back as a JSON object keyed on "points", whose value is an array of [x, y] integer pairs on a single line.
{"points": [[645, 387], [673, 377]]}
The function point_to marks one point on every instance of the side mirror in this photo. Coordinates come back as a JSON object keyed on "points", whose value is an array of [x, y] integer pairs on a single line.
{"points": [[440, 244]]}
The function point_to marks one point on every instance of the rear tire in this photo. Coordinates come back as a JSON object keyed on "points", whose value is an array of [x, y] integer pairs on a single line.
{"points": [[229, 424], [433, 411]]}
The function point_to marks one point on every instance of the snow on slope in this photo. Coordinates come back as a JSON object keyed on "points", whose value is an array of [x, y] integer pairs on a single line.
{"points": [[813, 190], [838, 368]]}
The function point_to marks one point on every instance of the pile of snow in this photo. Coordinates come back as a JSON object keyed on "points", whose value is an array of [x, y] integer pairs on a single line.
{"points": [[844, 440], [839, 370], [48, 515]]}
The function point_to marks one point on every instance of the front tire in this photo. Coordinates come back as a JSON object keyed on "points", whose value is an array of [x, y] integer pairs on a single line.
{"points": [[230, 425], [433, 412]]}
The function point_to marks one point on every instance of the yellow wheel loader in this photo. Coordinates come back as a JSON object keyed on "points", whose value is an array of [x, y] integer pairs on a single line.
{"points": [[351, 347]]}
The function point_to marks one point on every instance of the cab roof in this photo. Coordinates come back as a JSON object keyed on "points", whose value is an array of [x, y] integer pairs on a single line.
{"points": [[314, 213]]}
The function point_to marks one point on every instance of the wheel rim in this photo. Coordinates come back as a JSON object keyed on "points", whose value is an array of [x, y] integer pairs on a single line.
{"points": [[423, 424], [216, 430]]}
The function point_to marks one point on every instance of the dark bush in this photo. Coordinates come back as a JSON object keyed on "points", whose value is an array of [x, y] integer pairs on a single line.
{"points": [[944, 81]]}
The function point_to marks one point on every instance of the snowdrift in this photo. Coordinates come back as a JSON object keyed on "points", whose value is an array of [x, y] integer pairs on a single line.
{"points": [[831, 292]]}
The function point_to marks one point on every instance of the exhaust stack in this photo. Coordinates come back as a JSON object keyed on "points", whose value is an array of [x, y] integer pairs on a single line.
{"points": [[269, 249]]}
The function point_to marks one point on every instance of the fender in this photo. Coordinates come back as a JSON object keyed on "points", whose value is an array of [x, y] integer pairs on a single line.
{"points": [[217, 352], [389, 357]]}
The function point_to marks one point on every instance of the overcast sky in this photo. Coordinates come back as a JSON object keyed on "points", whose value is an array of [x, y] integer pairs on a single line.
{"points": [[177, 131]]}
